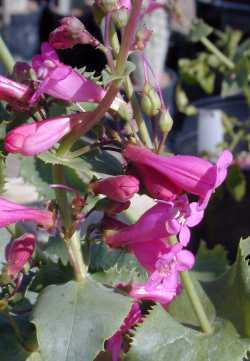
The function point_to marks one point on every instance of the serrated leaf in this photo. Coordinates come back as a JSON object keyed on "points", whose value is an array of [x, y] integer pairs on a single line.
{"points": [[234, 286], [80, 317], [55, 248], [210, 264], [199, 30], [162, 338], [32, 171]]}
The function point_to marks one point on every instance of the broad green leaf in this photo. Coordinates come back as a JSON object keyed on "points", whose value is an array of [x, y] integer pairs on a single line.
{"points": [[55, 248], [162, 338], [74, 320], [236, 183], [231, 292], [182, 310], [34, 172], [199, 30], [210, 263], [96, 163]]}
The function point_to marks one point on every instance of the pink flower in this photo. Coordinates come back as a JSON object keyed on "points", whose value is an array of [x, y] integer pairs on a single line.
{"points": [[11, 212], [188, 215], [61, 81], [151, 226], [71, 32], [164, 283], [119, 188], [18, 252], [35, 138], [114, 343], [16, 94], [167, 177]]}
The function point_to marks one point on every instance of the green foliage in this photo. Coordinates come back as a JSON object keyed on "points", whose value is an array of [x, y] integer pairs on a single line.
{"points": [[162, 338], [108, 76], [236, 183], [199, 30], [80, 317], [231, 292]]}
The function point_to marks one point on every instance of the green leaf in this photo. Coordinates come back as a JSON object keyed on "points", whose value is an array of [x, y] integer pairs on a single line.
{"points": [[199, 30], [35, 172], [210, 264], [231, 292], [162, 338], [182, 309], [55, 248], [236, 183], [108, 76], [96, 163], [74, 320]]}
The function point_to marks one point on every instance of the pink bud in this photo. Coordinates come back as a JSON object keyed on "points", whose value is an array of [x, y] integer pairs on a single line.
{"points": [[70, 33], [35, 138], [11, 212], [18, 252], [120, 188], [16, 94]]}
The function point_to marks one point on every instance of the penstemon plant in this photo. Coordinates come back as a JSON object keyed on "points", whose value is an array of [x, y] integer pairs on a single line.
{"points": [[97, 279]]}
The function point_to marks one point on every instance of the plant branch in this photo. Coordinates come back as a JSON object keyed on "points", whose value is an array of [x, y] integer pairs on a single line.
{"points": [[213, 49], [5, 57], [196, 303]]}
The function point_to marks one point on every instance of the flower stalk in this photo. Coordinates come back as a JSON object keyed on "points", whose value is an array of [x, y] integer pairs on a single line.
{"points": [[5, 57], [213, 49]]}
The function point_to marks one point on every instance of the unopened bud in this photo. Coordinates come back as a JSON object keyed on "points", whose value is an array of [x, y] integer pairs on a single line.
{"points": [[150, 101], [120, 18], [125, 111], [165, 121], [119, 188]]}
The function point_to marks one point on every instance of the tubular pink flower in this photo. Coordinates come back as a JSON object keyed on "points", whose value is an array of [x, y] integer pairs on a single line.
{"points": [[11, 212], [119, 188], [18, 252], [61, 81], [164, 283], [151, 226], [177, 174], [71, 32], [35, 138], [16, 94], [114, 343]]}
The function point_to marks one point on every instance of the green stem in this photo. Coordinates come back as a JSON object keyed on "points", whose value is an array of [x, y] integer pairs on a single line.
{"points": [[72, 243], [211, 47], [128, 86], [61, 196], [5, 57], [95, 116], [75, 253], [196, 303]]}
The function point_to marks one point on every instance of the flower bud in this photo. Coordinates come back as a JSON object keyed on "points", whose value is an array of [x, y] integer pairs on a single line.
{"points": [[119, 188], [69, 33], [141, 38], [16, 94], [120, 18], [165, 121], [18, 252], [108, 5], [150, 101]]}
